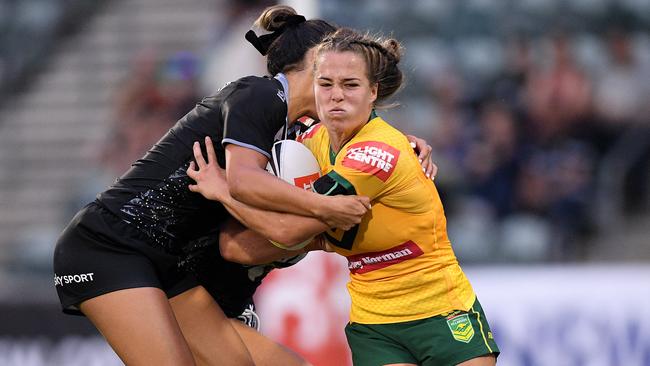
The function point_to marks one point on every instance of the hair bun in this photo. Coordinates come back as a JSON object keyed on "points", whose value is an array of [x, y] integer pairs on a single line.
{"points": [[394, 48], [276, 17]]}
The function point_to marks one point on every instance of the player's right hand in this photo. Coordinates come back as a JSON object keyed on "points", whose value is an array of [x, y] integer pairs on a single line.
{"points": [[344, 212], [209, 177]]}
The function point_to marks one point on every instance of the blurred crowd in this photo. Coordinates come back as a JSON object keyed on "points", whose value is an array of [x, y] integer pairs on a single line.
{"points": [[159, 89], [521, 157], [38, 23]]}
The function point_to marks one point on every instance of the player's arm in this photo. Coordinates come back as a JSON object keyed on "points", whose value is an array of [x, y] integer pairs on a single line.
{"points": [[288, 229], [250, 183], [251, 246], [242, 245]]}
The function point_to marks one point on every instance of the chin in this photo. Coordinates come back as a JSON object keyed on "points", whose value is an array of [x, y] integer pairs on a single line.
{"points": [[337, 117]]}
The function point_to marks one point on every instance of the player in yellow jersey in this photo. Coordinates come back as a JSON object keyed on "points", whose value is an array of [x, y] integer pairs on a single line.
{"points": [[401, 247], [404, 274], [411, 302]]}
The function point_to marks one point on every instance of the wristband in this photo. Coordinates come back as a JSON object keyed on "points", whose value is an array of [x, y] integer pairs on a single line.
{"points": [[293, 247]]}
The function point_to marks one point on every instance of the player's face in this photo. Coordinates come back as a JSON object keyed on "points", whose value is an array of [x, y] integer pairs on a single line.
{"points": [[344, 96]]}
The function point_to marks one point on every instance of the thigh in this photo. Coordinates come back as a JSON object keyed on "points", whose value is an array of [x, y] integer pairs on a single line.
{"points": [[489, 360], [209, 333], [138, 323], [266, 352]]}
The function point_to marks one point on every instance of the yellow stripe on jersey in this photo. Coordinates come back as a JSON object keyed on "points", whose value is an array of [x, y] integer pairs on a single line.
{"points": [[402, 266]]}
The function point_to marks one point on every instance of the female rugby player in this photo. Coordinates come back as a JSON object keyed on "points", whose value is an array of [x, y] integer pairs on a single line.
{"points": [[117, 260], [411, 302]]}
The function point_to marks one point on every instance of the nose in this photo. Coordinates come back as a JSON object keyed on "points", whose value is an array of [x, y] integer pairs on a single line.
{"points": [[337, 94]]}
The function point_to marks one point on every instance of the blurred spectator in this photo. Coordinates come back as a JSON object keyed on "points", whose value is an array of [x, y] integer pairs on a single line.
{"points": [[509, 84], [622, 91], [492, 160], [557, 184], [230, 56], [558, 95], [154, 95], [622, 106], [451, 135], [179, 83]]}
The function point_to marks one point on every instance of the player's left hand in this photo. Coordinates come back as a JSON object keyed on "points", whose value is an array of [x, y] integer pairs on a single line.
{"points": [[424, 150]]}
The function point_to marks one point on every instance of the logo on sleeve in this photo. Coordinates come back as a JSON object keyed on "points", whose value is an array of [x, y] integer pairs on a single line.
{"points": [[281, 96], [374, 157]]}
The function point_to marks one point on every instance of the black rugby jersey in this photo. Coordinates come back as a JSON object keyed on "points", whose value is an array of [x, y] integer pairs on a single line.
{"points": [[153, 194]]}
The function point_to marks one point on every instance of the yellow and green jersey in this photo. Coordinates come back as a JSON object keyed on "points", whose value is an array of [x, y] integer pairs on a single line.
{"points": [[402, 266]]}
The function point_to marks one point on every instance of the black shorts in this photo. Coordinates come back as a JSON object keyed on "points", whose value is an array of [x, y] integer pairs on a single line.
{"points": [[98, 253]]}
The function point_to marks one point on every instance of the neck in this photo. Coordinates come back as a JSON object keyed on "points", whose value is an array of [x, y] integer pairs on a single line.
{"points": [[338, 138], [300, 101]]}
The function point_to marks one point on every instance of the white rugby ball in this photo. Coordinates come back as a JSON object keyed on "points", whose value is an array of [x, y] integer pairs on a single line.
{"points": [[294, 163]]}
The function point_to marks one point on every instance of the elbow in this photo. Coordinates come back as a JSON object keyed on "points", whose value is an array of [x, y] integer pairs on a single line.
{"points": [[237, 185], [278, 234], [289, 236], [237, 191], [231, 253]]}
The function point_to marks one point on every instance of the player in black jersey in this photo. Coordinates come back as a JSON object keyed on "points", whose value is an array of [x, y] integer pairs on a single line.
{"points": [[117, 260]]}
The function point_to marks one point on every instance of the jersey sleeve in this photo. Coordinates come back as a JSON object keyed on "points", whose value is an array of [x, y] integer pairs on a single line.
{"points": [[367, 166], [332, 184], [253, 114]]}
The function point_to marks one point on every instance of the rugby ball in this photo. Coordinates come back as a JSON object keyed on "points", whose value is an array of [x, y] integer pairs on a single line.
{"points": [[294, 163]]}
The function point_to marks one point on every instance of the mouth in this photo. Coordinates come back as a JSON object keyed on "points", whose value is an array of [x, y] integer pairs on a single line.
{"points": [[337, 111]]}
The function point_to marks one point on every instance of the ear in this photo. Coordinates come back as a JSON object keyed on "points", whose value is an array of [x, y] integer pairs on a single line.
{"points": [[373, 93]]}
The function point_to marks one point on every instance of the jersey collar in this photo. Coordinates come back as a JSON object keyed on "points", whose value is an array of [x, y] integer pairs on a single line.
{"points": [[333, 154], [282, 78]]}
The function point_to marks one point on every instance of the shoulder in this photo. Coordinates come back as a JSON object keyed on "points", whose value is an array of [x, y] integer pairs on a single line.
{"points": [[378, 126], [262, 86], [376, 150], [311, 133], [260, 89], [315, 139], [380, 131]]}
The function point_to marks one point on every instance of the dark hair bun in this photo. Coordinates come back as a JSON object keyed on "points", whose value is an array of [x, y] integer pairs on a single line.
{"points": [[275, 17], [393, 48]]}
